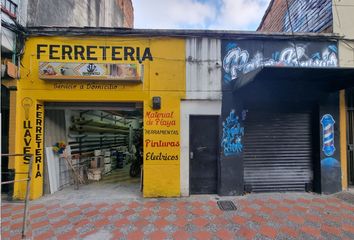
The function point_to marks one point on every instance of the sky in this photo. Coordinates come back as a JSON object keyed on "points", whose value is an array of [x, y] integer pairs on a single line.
{"points": [[199, 14]]}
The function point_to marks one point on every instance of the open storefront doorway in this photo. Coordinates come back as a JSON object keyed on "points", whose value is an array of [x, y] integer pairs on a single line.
{"points": [[94, 147]]}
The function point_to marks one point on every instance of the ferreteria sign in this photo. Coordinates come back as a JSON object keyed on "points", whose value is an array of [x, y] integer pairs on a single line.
{"points": [[93, 53], [127, 66]]}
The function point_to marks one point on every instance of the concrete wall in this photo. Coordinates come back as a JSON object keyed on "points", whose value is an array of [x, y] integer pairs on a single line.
{"points": [[305, 16], [203, 92], [92, 13], [203, 68], [343, 11]]}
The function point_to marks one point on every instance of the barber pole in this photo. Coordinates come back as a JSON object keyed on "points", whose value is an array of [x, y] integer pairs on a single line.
{"points": [[327, 122]]}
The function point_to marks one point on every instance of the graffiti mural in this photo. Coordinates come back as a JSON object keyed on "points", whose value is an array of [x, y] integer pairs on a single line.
{"points": [[232, 135], [238, 60], [308, 16], [327, 123]]}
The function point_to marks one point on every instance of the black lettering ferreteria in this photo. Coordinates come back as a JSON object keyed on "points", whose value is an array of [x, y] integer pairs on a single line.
{"points": [[138, 54], [38, 114], [27, 124], [38, 174], [38, 137], [129, 51], [39, 129], [52, 50], [90, 52], [38, 159], [147, 54], [115, 52], [38, 152], [39, 122], [39, 107], [40, 50], [104, 51], [66, 51], [79, 51]]}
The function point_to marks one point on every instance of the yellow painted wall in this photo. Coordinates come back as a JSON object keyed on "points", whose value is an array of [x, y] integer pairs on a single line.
{"points": [[343, 11], [164, 76], [343, 139]]}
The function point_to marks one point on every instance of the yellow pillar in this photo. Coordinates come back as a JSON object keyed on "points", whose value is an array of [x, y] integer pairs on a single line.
{"points": [[343, 139]]}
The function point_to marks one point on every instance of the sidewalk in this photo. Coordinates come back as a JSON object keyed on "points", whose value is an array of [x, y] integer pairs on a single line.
{"points": [[259, 216]]}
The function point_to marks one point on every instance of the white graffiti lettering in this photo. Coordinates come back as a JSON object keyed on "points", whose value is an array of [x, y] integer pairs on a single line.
{"points": [[238, 61]]}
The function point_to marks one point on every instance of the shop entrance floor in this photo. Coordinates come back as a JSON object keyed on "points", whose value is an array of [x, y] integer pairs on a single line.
{"points": [[117, 185]]}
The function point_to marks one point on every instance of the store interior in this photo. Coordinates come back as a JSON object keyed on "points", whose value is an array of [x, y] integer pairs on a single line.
{"points": [[93, 145]]}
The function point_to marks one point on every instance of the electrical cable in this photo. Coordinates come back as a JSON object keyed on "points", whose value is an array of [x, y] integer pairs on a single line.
{"points": [[292, 32]]}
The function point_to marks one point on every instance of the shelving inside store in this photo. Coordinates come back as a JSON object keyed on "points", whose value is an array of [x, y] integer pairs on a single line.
{"points": [[99, 142]]}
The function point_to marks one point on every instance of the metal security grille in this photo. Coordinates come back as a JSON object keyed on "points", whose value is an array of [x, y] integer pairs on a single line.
{"points": [[350, 135], [278, 151]]}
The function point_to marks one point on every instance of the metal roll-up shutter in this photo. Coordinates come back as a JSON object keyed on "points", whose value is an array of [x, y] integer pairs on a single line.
{"points": [[278, 151]]}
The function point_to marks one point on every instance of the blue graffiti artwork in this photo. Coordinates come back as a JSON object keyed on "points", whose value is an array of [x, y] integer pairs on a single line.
{"points": [[327, 123], [330, 163], [330, 175], [232, 135], [238, 61]]}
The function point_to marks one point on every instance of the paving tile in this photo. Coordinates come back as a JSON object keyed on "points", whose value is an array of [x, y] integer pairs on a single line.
{"points": [[296, 219], [181, 235], [257, 219], [45, 235], [135, 235], [200, 222], [268, 231], [101, 223], [67, 235], [202, 235], [239, 220], [291, 232], [331, 230], [315, 232], [247, 233], [348, 228], [40, 224], [259, 216], [61, 223]]}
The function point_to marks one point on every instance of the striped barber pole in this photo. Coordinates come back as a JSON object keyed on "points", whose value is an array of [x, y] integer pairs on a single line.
{"points": [[327, 122]]}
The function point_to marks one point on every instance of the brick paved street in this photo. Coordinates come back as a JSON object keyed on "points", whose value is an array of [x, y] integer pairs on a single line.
{"points": [[259, 216]]}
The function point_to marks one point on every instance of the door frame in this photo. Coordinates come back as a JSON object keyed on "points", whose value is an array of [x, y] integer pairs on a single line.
{"points": [[188, 108], [217, 147]]}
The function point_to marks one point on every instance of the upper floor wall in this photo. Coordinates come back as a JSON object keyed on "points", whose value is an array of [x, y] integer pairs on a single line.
{"points": [[298, 16], [71, 13]]}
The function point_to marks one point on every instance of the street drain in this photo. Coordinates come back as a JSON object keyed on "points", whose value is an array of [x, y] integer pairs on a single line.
{"points": [[226, 205]]}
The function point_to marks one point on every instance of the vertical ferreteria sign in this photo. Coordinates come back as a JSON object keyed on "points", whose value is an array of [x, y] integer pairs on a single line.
{"points": [[39, 142], [32, 144]]}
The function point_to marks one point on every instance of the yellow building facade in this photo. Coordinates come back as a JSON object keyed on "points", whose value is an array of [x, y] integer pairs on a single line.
{"points": [[159, 71]]}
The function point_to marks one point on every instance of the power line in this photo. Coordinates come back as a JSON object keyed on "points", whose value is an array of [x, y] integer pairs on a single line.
{"points": [[292, 32]]}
